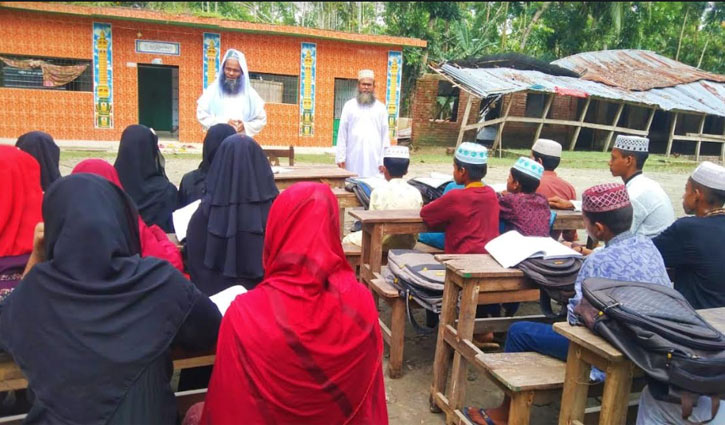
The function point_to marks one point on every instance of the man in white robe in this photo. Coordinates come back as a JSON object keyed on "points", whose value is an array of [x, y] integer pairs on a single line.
{"points": [[231, 99], [363, 132], [653, 210]]}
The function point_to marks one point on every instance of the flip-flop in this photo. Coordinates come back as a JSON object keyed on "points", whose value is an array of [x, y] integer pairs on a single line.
{"points": [[484, 416]]}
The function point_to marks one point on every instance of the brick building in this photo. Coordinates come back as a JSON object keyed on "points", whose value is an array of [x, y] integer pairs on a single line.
{"points": [[158, 64]]}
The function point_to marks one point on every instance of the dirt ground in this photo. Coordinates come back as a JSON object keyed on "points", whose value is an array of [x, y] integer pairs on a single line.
{"points": [[408, 396]]}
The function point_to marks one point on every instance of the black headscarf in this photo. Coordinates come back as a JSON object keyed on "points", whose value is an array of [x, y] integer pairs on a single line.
{"points": [[140, 168], [192, 184], [84, 324], [240, 189], [43, 148]]}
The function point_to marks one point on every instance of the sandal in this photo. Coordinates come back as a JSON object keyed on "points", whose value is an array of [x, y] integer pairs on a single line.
{"points": [[476, 414]]}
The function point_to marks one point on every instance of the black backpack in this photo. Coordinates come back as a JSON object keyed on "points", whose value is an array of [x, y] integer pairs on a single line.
{"points": [[655, 327], [555, 278]]}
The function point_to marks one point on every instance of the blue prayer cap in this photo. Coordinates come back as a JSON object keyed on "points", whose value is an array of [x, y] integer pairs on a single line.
{"points": [[472, 153], [529, 167]]}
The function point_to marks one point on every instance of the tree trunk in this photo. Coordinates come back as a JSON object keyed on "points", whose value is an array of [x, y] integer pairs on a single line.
{"points": [[703, 53], [682, 33], [505, 27], [536, 17]]}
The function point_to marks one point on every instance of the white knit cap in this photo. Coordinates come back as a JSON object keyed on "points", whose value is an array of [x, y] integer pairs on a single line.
{"points": [[365, 73], [547, 147], [472, 153], [401, 152], [710, 175], [530, 167], [626, 142]]}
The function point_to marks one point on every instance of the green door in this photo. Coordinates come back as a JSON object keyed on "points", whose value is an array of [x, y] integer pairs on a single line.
{"points": [[155, 97]]}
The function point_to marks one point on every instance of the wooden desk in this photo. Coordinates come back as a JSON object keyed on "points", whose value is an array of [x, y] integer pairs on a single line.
{"points": [[568, 219], [332, 176], [346, 199], [587, 349], [478, 279]]}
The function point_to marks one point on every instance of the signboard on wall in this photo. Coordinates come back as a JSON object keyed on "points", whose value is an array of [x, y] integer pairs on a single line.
{"points": [[308, 72], [212, 48], [392, 94], [102, 75], [158, 47]]}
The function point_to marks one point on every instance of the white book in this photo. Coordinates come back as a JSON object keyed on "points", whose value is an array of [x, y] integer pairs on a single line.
{"points": [[435, 180], [577, 205], [280, 170], [511, 248], [498, 187], [181, 218], [224, 298]]}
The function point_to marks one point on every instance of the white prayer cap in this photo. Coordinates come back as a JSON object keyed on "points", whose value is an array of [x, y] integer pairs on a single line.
{"points": [[366, 73], [626, 142], [530, 167], [547, 147], [472, 153], [710, 175], [401, 152]]}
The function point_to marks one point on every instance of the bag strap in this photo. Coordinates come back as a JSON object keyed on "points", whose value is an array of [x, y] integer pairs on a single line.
{"points": [[545, 304], [687, 401], [419, 329]]}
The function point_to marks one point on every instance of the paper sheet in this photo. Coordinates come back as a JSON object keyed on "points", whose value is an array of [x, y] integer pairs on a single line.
{"points": [[280, 170], [224, 298], [181, 218], [577, 205], [498, 187]]}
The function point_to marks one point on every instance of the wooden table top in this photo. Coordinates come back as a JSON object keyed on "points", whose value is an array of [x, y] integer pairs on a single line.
{"points": [[313, 172], [589, 340], [387, 216], [476, 266]]}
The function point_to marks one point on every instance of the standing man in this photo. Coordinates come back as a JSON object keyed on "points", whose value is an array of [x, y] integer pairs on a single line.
{"points": [[230, 99], [363, 132]]}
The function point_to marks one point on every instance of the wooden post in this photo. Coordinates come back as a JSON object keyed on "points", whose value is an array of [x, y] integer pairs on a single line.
{"points": [[614, 126], [649, 120], [578, 129], [543, 117], [499, 133], [699, 135], [672, 134], [464, 123]]}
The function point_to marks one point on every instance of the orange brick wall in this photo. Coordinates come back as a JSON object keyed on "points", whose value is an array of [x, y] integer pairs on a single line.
{"points": [[69, 115]]}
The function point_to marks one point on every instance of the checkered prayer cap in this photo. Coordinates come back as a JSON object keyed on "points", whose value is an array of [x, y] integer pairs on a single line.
{"points": [[626, 142], [529, 167], [365, 73], [396, 152], [472, 153], [547, 147], [710, 175], [605, 197]]}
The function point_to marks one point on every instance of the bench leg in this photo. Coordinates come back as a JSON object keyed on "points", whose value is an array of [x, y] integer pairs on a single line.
{"points": [[442, 360], [616, 394], [466, 322], [397, 339], [520, 408], [576, 387]]}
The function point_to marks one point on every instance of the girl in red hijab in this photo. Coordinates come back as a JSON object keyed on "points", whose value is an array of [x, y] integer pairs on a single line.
{"points": [[304, 346], [154, 242], [20, 200]]}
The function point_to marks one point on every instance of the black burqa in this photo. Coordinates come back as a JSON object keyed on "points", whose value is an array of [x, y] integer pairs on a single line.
{"points": [[192, 184], [140, 167], [88, 322], [226, 234], [43, 148]]}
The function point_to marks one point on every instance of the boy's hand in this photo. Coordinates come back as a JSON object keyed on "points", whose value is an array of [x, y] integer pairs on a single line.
{"points": [[557, 203]]}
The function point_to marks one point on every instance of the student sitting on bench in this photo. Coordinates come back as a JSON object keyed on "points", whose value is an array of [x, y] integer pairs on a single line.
{"points": [[522, 209]]}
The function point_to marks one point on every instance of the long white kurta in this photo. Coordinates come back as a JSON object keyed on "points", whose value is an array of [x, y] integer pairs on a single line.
{"points": [[652, 208], [232, 108], [362, 137]]}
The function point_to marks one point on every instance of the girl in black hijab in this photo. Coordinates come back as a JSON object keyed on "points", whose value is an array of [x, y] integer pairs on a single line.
{"points": [[140, 167], [43, 148], [91, 325], [226, 234], [192, 184]]}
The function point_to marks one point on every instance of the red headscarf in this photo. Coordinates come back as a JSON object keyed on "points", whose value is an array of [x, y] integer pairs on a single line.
{"points": [[154, 242], [21, 198], [304, 346]]}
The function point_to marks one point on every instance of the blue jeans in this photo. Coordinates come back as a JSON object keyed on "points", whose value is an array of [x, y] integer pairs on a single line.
{"points": [[538, 337]]}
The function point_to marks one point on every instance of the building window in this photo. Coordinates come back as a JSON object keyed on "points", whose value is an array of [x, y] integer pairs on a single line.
{"points": [[535, 104], [32, 78], [446, 107], [274, 88]]}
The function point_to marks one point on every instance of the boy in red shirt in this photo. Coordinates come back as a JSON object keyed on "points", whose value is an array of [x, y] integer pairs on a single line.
{"points": [[469, 216]]}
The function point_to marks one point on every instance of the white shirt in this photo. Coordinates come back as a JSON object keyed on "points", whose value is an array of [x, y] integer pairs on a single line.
{"points": [[362, 137], [231, 108], [653, 211], [396, 194]]}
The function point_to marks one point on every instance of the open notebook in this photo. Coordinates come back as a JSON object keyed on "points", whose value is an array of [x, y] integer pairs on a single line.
{"points": [[511, 248], [181, 218], [224, 298]]}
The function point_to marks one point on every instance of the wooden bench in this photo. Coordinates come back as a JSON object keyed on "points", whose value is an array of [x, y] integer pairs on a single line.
{"points": [[273, 155], [394, 335], [353, 255]]}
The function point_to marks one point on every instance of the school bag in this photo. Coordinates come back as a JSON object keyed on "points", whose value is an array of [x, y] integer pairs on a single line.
{"points": [[555, 278], [430, 188], [655, 327], [361, 189], [419, 278]]}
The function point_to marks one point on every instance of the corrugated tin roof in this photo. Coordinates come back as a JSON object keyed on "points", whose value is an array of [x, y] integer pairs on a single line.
{"points": [[697, 97], [634, 69]]}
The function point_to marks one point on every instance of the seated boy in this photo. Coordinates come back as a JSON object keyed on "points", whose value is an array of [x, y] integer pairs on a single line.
{"points": [[522, 209], [608, 217], [548, 153], [397, 194], [468, 216], [438, 239]]}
